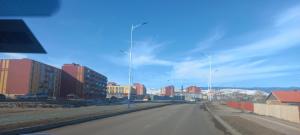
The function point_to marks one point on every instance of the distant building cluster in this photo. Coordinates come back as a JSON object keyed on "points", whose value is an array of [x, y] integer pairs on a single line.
{"points": [[119, 91], [26, 77], [190, 93]]}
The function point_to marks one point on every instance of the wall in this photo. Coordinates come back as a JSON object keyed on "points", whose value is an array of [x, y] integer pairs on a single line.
{"points": [[45, 79], [285, 112], [83, 82], [17, 72], [247, 106]]}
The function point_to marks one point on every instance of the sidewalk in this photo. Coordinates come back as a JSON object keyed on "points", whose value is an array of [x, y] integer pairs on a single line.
{"points": [[249, 123]]}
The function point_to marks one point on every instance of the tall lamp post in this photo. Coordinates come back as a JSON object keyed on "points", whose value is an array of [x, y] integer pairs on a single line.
{"points": [[209, 85], [133, 27], [210, 74], [212, 79]]}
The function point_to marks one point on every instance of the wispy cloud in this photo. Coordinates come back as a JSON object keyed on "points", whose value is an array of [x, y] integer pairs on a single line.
{"points": [[144, 53], [292, 15], [59, 62], [273, 44], [209, 41], [250, 60]]}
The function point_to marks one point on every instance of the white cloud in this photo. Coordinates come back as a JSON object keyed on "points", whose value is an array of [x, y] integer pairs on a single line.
{"points": [[291, 15], [14, 55], [208, 42], [250, 60], [144, 53], [269, 45], [247, 61], [59, 62]]}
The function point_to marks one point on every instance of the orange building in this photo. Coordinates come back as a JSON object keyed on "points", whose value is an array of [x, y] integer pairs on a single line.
{"points": [[82, 82], [140, 89], [28, 77], [168, 91], [193, 90]]}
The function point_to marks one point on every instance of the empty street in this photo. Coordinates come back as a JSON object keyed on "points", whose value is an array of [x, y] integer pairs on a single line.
{"points": [[170, 120]]}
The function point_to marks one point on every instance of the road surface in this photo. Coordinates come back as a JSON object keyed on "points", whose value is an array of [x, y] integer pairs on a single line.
{"points": [[184, 119]]}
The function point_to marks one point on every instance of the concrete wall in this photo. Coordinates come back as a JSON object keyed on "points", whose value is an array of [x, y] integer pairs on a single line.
{"points": [[285, 112]]}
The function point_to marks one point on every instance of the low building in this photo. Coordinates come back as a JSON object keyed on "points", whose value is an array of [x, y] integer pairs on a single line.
{"points": [[82, 82], [193, 93], [140, 89], [120, 91], [291, 97], [168, 91], [26, 77], [111, 84], [192, 97], [166, 98]]}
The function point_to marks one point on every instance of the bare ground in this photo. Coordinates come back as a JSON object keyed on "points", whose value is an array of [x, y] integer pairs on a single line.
{"points": [[247, 127]]}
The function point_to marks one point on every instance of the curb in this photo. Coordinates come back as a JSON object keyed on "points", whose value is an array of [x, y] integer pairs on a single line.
{"points": [[228, 128], [72, 122]]}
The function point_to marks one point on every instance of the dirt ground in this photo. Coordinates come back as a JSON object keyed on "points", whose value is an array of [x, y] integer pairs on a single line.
{"points": [[247, 127]]}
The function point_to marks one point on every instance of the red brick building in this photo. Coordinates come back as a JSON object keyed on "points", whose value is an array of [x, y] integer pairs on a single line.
{"points": [[168, 91], [140, 89], [28, 77], [193, 90], [82, 82]]}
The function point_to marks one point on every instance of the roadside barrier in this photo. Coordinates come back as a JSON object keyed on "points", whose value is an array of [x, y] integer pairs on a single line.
{"points": [[246, 106]]}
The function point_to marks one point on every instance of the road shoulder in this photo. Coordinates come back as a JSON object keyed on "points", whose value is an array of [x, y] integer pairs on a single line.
{"points": [[249, 123]]}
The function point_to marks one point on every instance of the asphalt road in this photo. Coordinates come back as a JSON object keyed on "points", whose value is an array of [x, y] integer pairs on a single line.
{"points": [[184, 119]]}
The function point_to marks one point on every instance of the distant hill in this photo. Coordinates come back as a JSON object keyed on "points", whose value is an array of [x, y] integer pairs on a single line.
{"points": [[265, 89]]}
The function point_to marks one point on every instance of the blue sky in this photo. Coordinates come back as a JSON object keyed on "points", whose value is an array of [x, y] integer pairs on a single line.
{"points": [[251, 43]]}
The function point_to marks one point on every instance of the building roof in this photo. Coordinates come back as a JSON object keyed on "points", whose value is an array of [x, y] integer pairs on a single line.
{"points": [[287, 96]]}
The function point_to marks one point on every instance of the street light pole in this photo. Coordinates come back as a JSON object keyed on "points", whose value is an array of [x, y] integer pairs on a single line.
{"points": [[210, 77], [129, 70], [133, 27]]}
